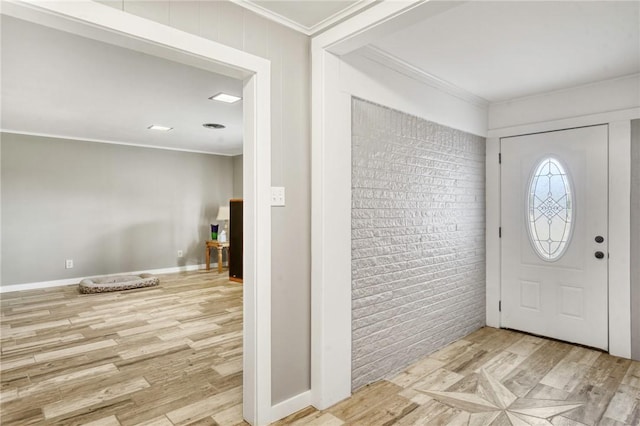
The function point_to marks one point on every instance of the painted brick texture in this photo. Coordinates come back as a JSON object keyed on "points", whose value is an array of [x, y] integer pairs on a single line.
{"points": [[418, 238]]}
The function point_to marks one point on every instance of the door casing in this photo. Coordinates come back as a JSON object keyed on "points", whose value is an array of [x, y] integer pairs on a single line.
{"points": [[576, 274], [104, 23], [619, 205]]}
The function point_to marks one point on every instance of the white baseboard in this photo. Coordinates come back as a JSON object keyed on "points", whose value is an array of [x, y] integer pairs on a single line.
{"points": [[290, 406], [75, 281]]}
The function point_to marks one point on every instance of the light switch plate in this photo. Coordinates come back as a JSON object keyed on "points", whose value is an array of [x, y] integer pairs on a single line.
{"points": [[277, 195]]}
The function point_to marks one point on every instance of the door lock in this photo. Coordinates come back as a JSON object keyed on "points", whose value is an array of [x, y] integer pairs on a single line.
{"points": [[599, 239], [599, 255]]}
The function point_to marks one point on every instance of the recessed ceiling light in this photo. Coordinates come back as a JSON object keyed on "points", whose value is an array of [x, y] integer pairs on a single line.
{"points": [[213, 126], [159, 128], [225, 97]]}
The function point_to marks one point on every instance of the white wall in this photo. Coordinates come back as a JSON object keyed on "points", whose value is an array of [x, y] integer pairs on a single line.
{"points": [[102, 205], [366, 78], [607, 96]]}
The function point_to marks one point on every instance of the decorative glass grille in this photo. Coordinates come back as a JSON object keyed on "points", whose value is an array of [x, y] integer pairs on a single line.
{"points": [[550, 209]]}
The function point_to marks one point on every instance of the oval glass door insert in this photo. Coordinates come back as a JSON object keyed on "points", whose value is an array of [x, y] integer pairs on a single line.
{"points": [[550, 209]]}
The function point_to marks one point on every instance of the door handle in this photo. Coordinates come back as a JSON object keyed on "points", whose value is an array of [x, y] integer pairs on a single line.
{"points": [[599, 255]]}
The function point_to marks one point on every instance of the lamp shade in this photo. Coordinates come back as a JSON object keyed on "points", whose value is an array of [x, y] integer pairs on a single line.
{"points": [[223, 213]]}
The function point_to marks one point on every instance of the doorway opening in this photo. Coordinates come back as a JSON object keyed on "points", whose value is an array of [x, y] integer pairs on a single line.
{"points": [[101, 23], [554, 234]]}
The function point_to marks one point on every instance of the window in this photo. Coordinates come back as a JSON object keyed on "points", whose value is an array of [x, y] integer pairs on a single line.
{"points": [[550, 209]]}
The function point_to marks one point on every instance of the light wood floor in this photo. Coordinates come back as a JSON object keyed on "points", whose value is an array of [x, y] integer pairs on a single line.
{"points": [[172, 355], [164, 355], [496, 377]]}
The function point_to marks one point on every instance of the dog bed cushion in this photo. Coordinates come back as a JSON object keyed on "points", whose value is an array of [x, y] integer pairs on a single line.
{"points": [[117, 283]]}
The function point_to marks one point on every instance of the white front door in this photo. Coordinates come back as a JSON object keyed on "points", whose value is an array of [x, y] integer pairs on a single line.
{"points": [[554, 203]]}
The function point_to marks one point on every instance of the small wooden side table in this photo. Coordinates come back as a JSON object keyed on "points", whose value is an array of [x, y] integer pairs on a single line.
{"points": [[218, 245]]}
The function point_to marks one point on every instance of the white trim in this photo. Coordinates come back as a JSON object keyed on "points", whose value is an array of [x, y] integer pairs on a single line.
{"points": [[619, 219], [492, 240], [338, 16], [330, 235], [74, 281], [272, 16], [148, 37], [291, 405], [393, 62], [374, 23], [566, 123], [290, 23], [257, 257], [97, 21], [620, 238], [137, 145]]}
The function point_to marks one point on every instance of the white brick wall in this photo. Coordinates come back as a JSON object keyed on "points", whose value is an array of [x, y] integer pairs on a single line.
{"points": [[418, 262]]}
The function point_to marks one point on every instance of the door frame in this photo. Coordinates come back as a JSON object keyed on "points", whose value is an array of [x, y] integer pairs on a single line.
{"points": [[619, 277], [104, 23], [534, 156]]}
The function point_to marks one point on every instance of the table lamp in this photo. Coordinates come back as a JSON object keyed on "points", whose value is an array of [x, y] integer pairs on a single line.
{"points": [[223, 214]]}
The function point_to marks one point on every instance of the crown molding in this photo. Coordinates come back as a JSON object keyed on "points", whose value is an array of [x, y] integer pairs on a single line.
{"points": [[339, 16], [112, 142], [266, 13], [309, 31], [388, 60]]}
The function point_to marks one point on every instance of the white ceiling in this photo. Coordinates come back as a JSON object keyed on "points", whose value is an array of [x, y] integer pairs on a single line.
{"points": [[504, 50], [306, 16], [59, 84]]}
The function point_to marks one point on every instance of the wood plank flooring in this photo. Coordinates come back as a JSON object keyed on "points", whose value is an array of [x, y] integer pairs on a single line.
{"points": [[172, 355], [167, 355], [496, 377]]}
